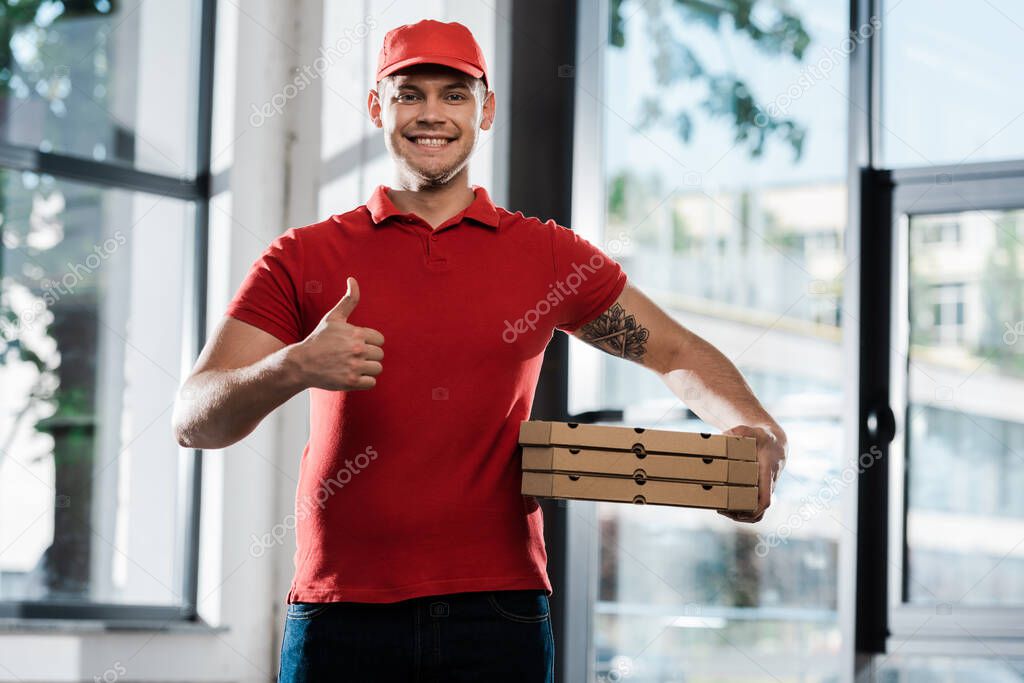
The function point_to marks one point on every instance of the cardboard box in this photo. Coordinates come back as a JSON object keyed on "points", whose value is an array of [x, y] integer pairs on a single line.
{"points": [[703, 469], [636, 439], [649, 492]]}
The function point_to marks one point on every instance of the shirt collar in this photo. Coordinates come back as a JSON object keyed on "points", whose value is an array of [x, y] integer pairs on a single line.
{"points": [[482, 209]]}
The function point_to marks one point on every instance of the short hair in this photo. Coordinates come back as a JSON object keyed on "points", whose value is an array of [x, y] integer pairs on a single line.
{"points": [[475, 84]]}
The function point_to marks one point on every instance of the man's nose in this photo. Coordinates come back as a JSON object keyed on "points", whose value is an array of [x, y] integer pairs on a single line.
{"points": [[432, 110]]}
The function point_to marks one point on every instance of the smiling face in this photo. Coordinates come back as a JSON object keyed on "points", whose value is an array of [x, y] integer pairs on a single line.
{"points": [[432, 116]]}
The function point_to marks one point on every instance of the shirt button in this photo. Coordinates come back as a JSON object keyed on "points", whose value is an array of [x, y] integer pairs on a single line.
{"points": [[433, 238]]}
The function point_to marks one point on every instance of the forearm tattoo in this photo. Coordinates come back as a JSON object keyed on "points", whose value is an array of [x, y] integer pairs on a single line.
{"points": [[616, 333]]}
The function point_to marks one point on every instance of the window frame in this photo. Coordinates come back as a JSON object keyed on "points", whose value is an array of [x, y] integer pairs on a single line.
{"points": [[882, 625], [924, 191], [588, 198], [542, 54], [195, 189]]}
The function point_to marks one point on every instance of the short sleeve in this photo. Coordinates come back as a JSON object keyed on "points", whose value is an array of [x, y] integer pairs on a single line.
{"points": [[268, 297], [589, 279]]}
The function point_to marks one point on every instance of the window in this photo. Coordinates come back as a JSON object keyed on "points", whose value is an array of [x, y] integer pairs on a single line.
{"points": [[947, 96], [941, 384], [108, 80], [957, 570], [963, 456], [105, 122], [899, 669], [937, 231], [722, 192], [942, 321]]}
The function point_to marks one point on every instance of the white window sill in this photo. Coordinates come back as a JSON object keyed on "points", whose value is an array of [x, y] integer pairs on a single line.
{"points": [[58, 650], [13, 626]]}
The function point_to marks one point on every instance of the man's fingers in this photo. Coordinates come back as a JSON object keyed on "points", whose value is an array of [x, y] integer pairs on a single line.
{"points": [[739, 516], [365, 382], [372, 336], [741, 430], [346, 304], [373, 353], [369, 367]]}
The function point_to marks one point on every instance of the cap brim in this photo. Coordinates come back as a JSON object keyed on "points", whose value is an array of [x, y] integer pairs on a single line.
{"points": [[454, 63]]}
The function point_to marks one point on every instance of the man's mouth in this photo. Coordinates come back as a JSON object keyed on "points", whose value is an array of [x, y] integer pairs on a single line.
{"points": [[429, 140]]}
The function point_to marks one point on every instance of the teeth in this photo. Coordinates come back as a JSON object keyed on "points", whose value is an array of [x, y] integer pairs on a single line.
{"points": [[432, 142]]}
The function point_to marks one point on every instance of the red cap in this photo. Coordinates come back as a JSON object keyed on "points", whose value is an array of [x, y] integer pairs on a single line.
{"points": [[432, 42]]}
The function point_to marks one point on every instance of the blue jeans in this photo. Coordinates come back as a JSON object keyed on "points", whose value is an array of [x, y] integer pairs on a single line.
{"points": [[489, 636]]}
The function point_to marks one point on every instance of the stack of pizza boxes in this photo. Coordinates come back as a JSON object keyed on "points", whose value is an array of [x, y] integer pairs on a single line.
{"points": [[642, 466]]}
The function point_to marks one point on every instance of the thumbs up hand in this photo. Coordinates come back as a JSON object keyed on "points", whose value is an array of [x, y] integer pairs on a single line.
{"points": [[339, 356]]}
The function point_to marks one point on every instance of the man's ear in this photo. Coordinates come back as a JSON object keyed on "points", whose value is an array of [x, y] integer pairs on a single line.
{"points": [[488, 111], [374, 106]]}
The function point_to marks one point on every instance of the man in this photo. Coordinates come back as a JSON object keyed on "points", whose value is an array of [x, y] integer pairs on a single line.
{"points": [[416, 553]]}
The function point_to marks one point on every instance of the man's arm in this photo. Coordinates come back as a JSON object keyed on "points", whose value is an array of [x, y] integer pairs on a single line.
{"points": [[243, 373], [241, 376], [636, 328]]}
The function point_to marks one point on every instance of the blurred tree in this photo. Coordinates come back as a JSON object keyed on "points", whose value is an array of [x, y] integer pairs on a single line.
{"points": [[727, 95], [774, 31]]}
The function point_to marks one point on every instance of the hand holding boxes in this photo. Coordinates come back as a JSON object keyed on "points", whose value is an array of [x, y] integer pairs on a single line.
{"points": [[636, 465]]}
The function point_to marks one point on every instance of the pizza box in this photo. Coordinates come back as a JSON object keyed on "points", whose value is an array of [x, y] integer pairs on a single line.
{"points": [[649, 492], [636, 439], [703, 469]]}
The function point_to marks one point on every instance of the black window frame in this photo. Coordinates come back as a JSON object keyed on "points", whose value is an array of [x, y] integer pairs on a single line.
{"points": [[925, 191]]}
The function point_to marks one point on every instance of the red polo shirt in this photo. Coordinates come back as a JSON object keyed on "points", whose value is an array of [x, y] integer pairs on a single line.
{"points": [[412, 488]]}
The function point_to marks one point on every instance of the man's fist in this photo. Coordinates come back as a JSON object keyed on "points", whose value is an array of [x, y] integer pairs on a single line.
{"points": [[338, 356], [771, 459]]}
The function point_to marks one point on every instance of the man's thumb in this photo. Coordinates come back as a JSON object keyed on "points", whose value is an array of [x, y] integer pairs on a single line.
{"points": [[347, 303]]}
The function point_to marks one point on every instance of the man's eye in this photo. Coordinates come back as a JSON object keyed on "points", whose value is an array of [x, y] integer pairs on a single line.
{"points": [[401, 97]]}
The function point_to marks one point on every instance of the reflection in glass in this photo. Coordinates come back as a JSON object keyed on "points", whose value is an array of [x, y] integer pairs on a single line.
{"points": [[965, 437], [723, 149], [91, 314], [951, 82], [109, 80], [896, 668]]}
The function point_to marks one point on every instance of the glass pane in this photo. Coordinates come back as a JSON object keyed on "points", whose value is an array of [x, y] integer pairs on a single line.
{"points": [[723, 146], [951, 82], [93, 290], [965, 436], [110, 80], [903, 669]]}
